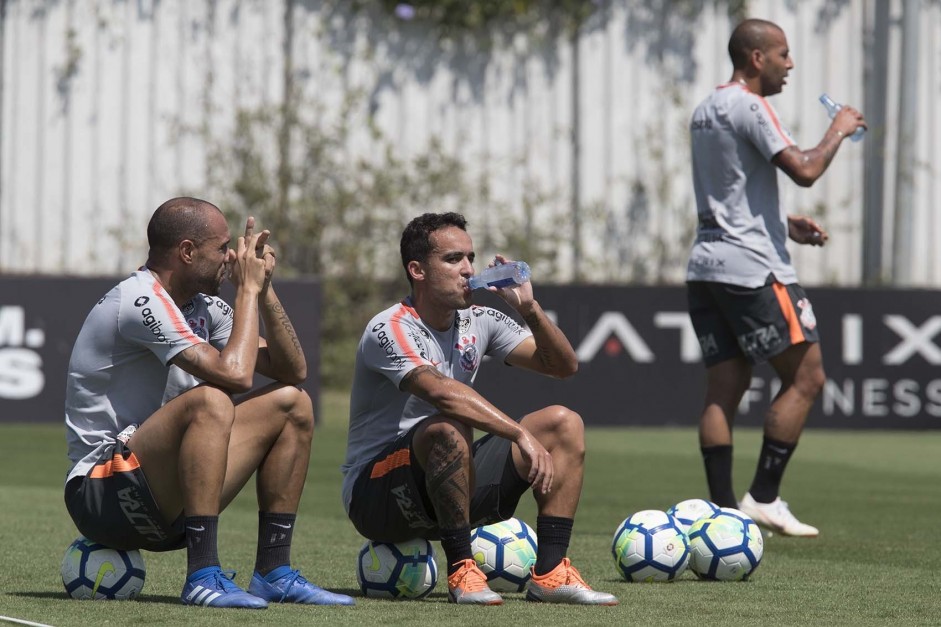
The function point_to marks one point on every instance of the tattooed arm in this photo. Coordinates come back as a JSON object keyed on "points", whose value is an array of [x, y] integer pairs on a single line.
{"points": [[806, 166], [548, 351], [462, 403], [280, 356]]}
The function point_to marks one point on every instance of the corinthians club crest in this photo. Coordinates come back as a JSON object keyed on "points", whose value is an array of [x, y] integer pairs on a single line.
{"points": [[470, 356], [807, 317]]}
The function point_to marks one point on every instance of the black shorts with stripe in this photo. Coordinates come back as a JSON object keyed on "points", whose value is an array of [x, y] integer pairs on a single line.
{"points": [[390, 500], [113, 505], [757, 323]]}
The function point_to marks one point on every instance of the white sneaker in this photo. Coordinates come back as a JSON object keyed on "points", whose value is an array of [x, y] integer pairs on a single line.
{"points": [[776, 516]]}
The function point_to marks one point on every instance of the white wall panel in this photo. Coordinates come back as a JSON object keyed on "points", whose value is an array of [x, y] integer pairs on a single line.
{"points": [[111, 106]]}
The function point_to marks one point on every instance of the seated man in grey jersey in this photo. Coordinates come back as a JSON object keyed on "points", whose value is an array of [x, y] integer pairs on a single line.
{"points": [[158, 444], [412, 468]]}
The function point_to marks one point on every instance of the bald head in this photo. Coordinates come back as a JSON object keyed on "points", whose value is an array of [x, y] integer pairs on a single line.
{"points": [[748, 36], [179, 219]]}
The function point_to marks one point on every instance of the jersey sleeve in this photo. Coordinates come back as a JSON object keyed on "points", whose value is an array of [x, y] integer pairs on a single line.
{"points": [[758, 122], [503, 332], [221, 317], [392, 346], [149, 318]]}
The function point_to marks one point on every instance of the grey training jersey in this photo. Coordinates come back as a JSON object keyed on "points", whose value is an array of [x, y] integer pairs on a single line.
{"points": [[742, 230], [119, 372], [396, 342]]}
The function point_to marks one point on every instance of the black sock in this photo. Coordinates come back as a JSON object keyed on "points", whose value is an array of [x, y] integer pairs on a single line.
{"points": [[553, 534], [456, 546], [201, 542], [718, 462], [771, 464], [275, 532]]}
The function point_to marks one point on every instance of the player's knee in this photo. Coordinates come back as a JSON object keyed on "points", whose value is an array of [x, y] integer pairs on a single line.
{"points": [[297, 406], [574, 429], [450, 435], [562, 426], [209, 403], [565, 421], [812, 382], [809, 379]]}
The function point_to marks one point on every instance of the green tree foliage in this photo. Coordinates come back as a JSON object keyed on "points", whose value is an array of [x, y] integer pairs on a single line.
{"points": [[340, 217], [455, 19], [338, 214]]}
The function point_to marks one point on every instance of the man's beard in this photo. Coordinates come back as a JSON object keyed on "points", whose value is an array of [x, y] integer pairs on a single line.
{"points": [[210, 287]]}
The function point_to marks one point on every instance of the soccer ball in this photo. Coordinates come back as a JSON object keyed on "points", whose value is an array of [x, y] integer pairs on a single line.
{"points": [[400, 570], [650, 546], [689, 511], [726, 546], [94, 571], [505, 552]]}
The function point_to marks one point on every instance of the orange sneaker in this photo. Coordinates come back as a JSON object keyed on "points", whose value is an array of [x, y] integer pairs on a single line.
{"points": [[468, 585], [563, 584]]}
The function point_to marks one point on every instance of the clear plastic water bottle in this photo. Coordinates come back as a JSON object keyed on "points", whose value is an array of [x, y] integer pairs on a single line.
{"points": [[501, 275], [832, 108]]}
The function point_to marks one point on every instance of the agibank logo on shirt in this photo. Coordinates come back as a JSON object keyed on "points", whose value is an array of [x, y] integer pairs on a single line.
{"points": [[470, 356], [387, 344], [149, 320]]}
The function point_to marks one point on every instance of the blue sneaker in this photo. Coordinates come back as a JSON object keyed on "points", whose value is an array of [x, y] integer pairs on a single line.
{"points": [[213, 587], [283, 585]]}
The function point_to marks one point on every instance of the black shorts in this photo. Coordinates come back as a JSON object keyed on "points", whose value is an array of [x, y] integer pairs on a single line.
{"points": [[390, 500], [757, 323], [113, 505]]}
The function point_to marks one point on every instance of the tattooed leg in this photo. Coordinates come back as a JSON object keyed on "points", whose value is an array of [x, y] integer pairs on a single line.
{"points": [[443, 447]]}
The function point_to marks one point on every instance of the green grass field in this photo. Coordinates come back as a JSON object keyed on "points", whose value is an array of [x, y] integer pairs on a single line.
{"points": [[874, 495]]}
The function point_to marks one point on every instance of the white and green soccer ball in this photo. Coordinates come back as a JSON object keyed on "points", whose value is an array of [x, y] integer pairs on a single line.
{"points": [[94, 571], [505, 552], [400, 570], [726, 546], [650, 546], [689, 511]]}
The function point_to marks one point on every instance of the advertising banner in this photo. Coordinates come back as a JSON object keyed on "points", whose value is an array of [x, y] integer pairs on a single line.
{"points": [[41, 316], [640, 362]]}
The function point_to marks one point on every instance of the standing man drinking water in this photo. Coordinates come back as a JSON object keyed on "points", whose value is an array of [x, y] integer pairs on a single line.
{"points": [[744, 299]]}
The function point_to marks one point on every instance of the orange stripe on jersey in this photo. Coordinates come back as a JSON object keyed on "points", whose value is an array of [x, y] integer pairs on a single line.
{"points": [[409, 309], [399, 332], [397, 459], [180, 325], [774, 119], [787, 308], [113, 465]]}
